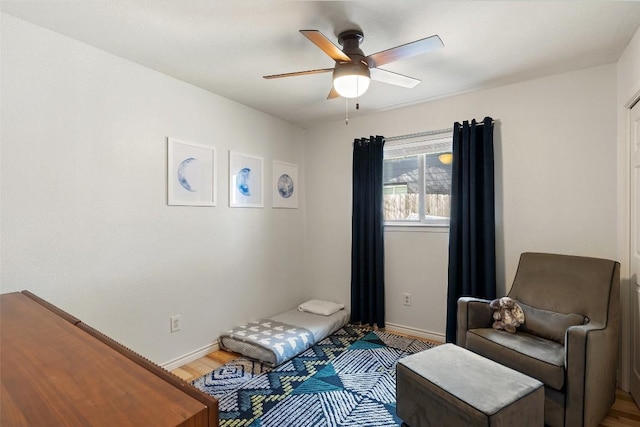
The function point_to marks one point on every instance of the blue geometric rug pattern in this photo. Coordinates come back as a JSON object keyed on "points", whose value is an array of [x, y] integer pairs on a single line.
{"points": [[230, 376], [347, 379]]}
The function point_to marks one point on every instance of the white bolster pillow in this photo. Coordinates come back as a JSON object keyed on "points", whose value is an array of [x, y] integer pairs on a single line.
{"points": [[316, 306]]}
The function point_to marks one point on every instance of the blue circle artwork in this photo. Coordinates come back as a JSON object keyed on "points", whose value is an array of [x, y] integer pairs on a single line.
{"points": [[183, 174], [243, 181], [285, 186]]}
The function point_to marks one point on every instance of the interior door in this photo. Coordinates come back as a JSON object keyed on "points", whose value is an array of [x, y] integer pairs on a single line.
{"points": [[634, 294]]}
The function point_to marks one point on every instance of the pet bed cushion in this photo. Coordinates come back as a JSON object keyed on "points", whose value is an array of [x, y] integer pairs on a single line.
{"points": [[280, 338]]}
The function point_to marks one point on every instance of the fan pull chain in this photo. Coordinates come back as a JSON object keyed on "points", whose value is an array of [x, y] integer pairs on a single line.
{"points": [[346, 111]]}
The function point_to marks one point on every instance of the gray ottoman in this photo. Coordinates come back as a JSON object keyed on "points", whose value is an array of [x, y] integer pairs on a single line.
{"points": [[451, 386]]}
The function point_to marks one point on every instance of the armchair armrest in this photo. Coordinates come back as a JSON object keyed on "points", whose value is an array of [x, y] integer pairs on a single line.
{"points": [[472, 313], [591, 358]]}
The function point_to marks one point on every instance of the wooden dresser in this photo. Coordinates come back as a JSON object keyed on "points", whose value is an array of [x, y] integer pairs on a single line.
{"points": [[57, 371]]}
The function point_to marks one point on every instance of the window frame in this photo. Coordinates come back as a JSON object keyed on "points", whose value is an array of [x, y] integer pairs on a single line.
{"points": [[432, 140]]}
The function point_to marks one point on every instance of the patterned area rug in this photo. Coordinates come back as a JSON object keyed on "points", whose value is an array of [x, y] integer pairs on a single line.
{"points": [[347, 379], [230, 376]]}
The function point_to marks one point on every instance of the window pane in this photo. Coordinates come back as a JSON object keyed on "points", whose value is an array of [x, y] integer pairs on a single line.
{"points": [[401, 188], [437, 186], [417, 179]]}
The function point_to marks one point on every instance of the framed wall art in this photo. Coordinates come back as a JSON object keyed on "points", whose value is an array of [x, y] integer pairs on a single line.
{"points": [[191, 174], [285, 185], [246, 186]]}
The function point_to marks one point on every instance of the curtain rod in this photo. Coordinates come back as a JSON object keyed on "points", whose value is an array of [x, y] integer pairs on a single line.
{"points": [[427, 133]]}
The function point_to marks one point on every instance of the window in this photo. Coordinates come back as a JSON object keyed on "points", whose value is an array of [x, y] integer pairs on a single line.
{"points": [[417, 180]]}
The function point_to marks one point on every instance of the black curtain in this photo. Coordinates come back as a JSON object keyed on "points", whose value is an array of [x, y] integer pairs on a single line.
{"points": [[472, 258], [367, 237]]}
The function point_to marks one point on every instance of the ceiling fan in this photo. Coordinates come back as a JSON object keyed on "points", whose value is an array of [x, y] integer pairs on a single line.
{"points": [[353, 70]]}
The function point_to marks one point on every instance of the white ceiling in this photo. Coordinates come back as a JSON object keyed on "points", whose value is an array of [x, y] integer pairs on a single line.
{"points": [[226, 46]]}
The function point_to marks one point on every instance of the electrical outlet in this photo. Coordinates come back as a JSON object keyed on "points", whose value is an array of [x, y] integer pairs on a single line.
{"points": [[176, 323], [406, 300]]}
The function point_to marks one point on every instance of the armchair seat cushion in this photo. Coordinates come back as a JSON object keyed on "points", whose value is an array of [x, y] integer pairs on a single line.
{"points": [[532, 355]]}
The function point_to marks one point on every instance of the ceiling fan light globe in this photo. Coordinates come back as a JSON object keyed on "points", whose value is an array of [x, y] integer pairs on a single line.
{"points": [[351, 86]]}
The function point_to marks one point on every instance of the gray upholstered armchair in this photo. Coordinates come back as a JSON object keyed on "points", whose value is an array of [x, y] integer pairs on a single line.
{"points": [[570, 337]]}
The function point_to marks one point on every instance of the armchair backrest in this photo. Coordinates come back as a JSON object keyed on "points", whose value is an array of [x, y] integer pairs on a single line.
{"points": [[567, 284]]}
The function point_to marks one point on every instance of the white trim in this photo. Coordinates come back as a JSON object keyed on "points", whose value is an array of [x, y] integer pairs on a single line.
{"points": [[635, 98], [624, 225], [190, 357], [415, 227], [420, 333], [624, 203]]}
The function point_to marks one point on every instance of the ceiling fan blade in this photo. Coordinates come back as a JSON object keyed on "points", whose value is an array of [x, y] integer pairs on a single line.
{"points": [[389, 77], [333, 93], [326, 45], [299, 73], [404, 51]]}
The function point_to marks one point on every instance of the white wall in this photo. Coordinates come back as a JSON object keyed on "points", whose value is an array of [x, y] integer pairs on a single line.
{"points": [[84, 220], [555, 162]]}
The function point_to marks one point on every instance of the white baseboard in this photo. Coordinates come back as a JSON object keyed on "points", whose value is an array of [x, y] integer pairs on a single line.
{"points": [[420, 333], [190, 357]]}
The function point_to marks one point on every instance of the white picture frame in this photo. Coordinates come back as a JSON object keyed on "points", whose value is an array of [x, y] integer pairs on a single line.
{"points": [[191, 173], [246, 187], [285, 185]]}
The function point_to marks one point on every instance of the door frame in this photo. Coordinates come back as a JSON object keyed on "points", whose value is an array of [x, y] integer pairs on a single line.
{"points": [[624, 228]]}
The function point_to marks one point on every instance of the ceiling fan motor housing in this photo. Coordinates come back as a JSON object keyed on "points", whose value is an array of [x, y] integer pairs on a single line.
{"points": [[358, 68], [350, 41]]}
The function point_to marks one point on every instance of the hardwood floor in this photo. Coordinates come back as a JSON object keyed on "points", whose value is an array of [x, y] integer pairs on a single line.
{"points": [[204, 365], [624, 413]]}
